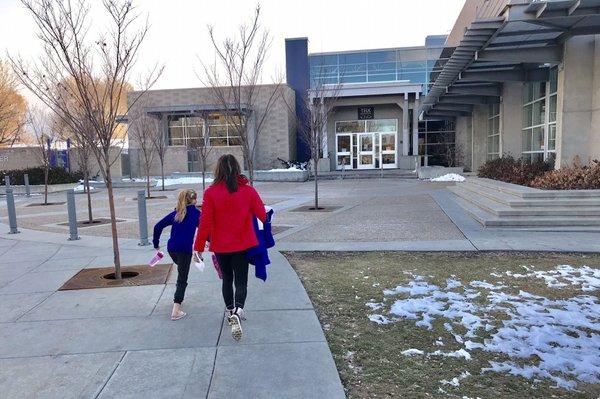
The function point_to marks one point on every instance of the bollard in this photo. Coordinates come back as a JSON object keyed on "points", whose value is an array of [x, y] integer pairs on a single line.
{"points": [[143, 218], [27, 188], [12, 213], [72, 216], [7, 181]]}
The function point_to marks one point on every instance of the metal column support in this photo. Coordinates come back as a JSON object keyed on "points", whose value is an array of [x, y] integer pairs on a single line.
{"points": [[143, 218], [12, 213], [415, 128], [7, 181], [27, 187], [324, 130], [405, 137], [73, 236]]}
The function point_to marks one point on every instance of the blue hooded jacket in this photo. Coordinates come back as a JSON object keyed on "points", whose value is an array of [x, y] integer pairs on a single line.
{"points": [[259, 255], [182, 233]]}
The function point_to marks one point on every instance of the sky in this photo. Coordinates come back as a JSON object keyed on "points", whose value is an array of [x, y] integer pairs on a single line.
{"points": [[178, 36]]}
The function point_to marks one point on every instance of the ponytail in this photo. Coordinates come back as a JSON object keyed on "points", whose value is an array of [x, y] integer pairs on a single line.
{"points": [[184, 199]]}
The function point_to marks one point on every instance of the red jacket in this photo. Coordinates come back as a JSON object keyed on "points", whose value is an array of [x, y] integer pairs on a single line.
{"points": [[227, 218]]}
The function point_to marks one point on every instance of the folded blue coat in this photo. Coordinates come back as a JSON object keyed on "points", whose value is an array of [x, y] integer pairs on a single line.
{"points": [[259, 255]]}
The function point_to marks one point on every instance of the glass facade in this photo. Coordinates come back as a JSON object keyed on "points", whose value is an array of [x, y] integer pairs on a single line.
{"points": [[188, 131], [493, 131], [437, 140], [539, 119], [411, 64]]}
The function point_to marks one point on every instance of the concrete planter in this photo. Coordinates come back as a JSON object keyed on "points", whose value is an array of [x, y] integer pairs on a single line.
{"points": [[431, 172], [124, 184], [281, 176]]}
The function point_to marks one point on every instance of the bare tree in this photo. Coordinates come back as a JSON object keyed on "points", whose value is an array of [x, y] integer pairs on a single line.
{"points": [[161, 145], [235, 82], [315, 109], [96, 72], [143, 129], [203, 149], [12, 107], [44, 134]]}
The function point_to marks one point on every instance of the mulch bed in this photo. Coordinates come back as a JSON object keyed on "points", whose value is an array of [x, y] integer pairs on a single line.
{"points": [[311, 208], [96, 222], [48, 204], [132, 276]]}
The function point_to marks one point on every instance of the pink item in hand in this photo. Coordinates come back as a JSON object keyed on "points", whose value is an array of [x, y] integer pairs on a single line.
{"points": [[217, 266], [156, 258]]}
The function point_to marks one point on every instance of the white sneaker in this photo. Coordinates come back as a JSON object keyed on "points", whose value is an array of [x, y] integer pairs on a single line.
{"points": [[241, 313], [236, 326]]}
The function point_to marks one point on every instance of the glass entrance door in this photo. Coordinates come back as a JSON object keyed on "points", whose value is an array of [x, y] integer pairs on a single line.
{"points": [[343, 151], [387, 156], [366, 151]]}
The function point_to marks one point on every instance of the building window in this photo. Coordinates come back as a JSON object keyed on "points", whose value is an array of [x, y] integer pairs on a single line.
{"points": [[493, 132], [222, 133], [539, 119], [437, 140], [188, 131], [185, 130]]}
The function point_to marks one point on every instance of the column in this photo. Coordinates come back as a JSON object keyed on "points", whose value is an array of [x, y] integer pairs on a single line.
{"points": [[405, 138], [324, 118], [415, 128]]}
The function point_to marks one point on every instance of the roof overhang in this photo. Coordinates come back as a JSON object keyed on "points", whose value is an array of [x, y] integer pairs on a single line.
{"points": [[366, 89], [191, 110], [519, 46]]}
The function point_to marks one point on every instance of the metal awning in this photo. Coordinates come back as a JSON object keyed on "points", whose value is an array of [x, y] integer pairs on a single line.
{"points": [[191, 110], [521, 45]]}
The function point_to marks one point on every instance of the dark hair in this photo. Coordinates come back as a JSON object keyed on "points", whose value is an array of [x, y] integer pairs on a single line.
{"points": [[227, 170]]}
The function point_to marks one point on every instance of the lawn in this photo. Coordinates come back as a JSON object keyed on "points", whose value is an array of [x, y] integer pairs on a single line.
{"points": [[423, 325]]}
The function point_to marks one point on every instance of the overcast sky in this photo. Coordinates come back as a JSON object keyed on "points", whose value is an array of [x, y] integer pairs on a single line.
{"points": [[178, 34]]}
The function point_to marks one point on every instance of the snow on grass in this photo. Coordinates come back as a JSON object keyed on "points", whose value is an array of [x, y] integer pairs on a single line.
{"points": [[195, 180], [556, 339], [412, 352], [565, 275], [449, 177], [456, 380]]}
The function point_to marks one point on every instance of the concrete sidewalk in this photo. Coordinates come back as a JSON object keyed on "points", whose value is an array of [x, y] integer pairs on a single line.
{"points": [[120, 342]]}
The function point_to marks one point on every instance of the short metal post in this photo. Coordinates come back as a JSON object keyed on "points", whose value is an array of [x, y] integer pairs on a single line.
{"points": [[143, 218], [72, 216], [12, 213], [7, 181], [27, 187]]}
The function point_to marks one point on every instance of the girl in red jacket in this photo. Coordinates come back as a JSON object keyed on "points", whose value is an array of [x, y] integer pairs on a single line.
{"points": [[228, 207]]}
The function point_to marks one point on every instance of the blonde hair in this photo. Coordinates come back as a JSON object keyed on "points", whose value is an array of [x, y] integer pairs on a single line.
{"points": [[184, 199]]}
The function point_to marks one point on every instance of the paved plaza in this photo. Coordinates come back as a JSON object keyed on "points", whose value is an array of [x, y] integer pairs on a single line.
{"points": [[119, 342]]}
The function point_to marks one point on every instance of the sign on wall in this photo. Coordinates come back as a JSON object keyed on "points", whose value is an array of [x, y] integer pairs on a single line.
{"points": [[366, 113]]}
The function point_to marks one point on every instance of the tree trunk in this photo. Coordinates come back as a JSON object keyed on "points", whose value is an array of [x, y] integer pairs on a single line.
{"points": [[113, 225], [46, 172], [316, 186], [148, 180], [203, 175], [162, 172], [89, 195]]}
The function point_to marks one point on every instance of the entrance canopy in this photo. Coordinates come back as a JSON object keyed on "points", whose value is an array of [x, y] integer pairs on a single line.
{"points": [[519, 46]]}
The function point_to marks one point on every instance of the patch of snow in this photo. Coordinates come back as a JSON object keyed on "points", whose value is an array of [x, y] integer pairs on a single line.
{"points": [[379, 319], [374, 306], [553, 339], [292, 169], [565, 275], [449, 177], [81, 189], [485, 285], [456, 380], [182, 181], [412, 352]]}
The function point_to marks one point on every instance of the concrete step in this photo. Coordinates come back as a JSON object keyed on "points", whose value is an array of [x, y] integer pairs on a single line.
{"points": [[501, 209], [533, 193], [513, 200], [484, 212], [367, 174]]}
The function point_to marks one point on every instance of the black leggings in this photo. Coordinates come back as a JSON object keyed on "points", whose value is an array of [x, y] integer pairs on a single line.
{"points": [[235, 269], [182, 260]]}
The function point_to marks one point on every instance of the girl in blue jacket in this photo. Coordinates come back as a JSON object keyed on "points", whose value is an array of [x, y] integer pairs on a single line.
{"points": [[183, 221]]}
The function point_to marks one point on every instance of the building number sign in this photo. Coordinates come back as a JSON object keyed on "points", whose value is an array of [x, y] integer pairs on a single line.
{"points": [[366, 113]]}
